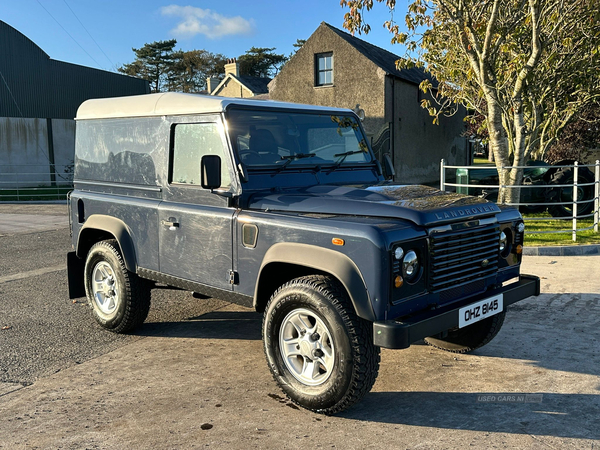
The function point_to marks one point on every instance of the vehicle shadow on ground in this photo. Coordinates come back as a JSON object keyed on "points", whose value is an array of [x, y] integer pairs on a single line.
{"points": [[527, 342], [554, 331], [244, 325], [559, 415]]}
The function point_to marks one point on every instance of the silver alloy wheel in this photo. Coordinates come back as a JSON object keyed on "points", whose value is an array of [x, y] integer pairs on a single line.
{"points": [[105, 288], [306, 347]]}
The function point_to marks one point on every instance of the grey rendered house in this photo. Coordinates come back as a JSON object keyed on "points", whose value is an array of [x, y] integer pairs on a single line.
{"points": [[334, 68]]}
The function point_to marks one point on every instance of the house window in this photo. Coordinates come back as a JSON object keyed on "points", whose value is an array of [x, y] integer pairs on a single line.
{"points": [[324, 69]]}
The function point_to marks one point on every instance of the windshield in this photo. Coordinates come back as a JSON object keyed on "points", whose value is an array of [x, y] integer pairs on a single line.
{"points": [[286, 139]]}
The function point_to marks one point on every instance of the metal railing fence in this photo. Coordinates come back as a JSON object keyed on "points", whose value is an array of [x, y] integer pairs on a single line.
{"points": [[30, 182], [576, 185]]}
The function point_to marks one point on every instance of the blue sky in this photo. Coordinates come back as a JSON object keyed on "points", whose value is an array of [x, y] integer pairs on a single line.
{"points": [[228, 26]]}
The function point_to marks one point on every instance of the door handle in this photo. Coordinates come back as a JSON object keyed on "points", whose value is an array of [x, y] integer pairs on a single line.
{"points": [[171, 223]]}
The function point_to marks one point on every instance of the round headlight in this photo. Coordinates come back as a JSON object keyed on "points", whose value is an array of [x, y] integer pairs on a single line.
{"points": [[410, 266], [398, 253], [521, 227], [503, 242]]}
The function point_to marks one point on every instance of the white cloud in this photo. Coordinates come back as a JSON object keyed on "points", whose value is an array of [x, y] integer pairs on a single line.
{"points": [[205, 21]]}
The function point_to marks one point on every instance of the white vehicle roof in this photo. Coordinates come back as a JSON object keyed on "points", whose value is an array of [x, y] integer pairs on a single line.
{"points": [[173, 103]]}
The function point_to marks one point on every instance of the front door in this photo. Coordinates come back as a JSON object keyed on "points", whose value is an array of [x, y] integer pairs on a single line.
{"points": [[196, 224]]}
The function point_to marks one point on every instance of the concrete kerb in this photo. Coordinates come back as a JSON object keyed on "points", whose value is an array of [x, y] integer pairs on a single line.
{"points": [[563, 250]]}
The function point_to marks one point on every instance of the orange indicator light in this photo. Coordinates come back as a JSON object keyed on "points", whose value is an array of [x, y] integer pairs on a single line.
{"points": [[398, 281], [519, 249], [337, 241]]}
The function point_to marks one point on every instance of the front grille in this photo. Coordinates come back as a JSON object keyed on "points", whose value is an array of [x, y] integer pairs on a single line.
{"points": [[457, 257], [462, 291]]}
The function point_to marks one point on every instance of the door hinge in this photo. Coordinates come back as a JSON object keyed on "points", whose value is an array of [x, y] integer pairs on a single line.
{"points": [[233, 277]]}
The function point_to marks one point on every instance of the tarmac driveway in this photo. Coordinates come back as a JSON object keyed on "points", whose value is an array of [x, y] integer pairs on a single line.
{"points": [[203, 382]]}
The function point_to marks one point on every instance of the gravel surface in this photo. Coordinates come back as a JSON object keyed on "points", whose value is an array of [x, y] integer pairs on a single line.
{"points": [[30, 251], [195, 374], [47, 332]]}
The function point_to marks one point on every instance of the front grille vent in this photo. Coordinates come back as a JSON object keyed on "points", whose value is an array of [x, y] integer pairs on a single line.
{"points": [[457, 257], [518, 238]]}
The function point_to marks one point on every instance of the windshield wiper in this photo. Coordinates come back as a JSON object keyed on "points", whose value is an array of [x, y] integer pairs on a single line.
{"points": [[342, 157], [298, 156], [291, 158]]}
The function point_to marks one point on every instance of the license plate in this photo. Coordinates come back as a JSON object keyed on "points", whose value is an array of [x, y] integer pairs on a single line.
{"points": [[480, 310]]}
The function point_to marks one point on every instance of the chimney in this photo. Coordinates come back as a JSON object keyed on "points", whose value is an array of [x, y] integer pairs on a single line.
{"points": [[211, 84], [232, 67]]}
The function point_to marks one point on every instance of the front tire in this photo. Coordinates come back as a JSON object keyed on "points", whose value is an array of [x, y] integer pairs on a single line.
{"points": [[467, 339], [119, 299], [319, 351]]}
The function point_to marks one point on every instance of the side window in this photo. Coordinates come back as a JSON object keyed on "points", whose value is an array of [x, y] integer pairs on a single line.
{"points": [[191, 141]]}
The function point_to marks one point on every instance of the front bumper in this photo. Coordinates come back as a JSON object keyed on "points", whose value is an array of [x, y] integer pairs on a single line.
{"points": [[402, 333]]}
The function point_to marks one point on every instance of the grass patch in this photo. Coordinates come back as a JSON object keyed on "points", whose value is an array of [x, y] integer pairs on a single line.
{"points": [[477, 161], [535, 240]]}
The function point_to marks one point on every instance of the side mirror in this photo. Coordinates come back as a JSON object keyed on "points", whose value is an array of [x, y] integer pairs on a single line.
{"points": [[210, 168], [388, 166]]}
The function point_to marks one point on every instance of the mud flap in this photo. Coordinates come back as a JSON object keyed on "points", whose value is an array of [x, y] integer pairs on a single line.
{"points": [[75, 267]]}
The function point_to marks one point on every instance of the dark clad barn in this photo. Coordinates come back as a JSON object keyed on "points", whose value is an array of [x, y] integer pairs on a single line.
{"points": [[39, 97], [34, 85]]}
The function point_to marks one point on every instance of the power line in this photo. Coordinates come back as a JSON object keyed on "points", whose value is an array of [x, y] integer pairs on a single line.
{"points": [[74, 40], [86, 30]]}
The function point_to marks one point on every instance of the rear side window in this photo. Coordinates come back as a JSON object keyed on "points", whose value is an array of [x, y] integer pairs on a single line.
{"points": [[191, 141], [119, 150]]}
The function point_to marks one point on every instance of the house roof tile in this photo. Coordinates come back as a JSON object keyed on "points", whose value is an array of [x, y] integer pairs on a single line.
{"points": [[258, 85]]}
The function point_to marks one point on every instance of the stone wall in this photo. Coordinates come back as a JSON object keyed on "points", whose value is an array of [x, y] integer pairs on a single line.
{"points": [[419, 144]]}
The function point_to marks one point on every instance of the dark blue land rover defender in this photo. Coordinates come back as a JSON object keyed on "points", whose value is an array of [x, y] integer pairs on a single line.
{"points": [[283, 207]]}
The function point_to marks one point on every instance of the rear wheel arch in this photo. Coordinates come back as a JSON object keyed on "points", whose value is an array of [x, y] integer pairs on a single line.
{"points": [[100, 228], [284, 262]]}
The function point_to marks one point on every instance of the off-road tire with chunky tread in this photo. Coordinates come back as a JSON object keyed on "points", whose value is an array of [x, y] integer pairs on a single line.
{"points": [[564, 175], [357, 359], [467, 339], [134, 298]]}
